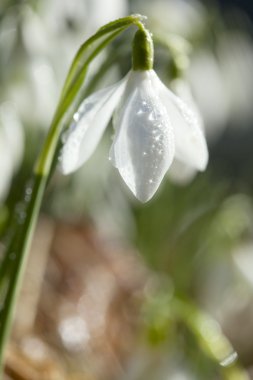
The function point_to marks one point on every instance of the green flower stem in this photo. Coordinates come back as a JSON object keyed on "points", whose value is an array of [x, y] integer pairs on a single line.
{"points": [[105, 66], [111, 27], [23, 234], [45, 160]]}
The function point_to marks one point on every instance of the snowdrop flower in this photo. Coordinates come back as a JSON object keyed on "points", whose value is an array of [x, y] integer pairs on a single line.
{"points": [[152, 127]]}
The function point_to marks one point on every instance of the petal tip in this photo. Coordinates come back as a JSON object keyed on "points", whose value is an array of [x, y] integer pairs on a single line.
{"points": [[67, 163], [65, 169], [143, 198], [144, 193], [204, 161]]}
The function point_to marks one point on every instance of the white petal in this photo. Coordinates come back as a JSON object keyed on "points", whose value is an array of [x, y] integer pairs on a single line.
{"points": [[190, 143], [143, 148], [89, 124], [181, 174], [181, 89]]}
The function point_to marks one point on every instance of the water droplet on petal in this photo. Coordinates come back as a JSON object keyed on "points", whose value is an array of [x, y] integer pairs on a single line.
{"points": [[76, 116]]}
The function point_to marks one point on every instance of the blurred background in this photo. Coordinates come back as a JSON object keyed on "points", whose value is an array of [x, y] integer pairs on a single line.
{"points": [[115, 289]]}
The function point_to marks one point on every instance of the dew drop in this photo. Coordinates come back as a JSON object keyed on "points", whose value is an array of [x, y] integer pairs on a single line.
{"points": [[151, 116], [76, 116], [85, 107], [145, 107], [28, 191], [28, 194], [154, 116]]}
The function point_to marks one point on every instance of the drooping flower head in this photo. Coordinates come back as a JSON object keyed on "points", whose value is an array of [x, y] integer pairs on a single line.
{"points": [[152, 127]]}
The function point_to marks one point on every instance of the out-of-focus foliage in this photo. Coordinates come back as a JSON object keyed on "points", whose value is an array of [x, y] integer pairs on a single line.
{"points": [[115, 289]]}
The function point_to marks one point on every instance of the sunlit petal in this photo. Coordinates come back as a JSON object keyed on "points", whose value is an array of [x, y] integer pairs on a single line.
{"points": [[190, 143], [89, 124], [143, 147]]}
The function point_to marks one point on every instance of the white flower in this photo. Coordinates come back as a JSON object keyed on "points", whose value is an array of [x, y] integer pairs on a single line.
{"points": [[152, 127]]}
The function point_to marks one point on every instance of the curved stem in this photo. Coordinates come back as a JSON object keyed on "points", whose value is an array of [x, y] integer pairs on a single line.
{"points": [[24, 232], [44, 162]]}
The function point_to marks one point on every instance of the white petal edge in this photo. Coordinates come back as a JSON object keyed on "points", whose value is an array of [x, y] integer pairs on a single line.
{"points": [[182, 90], [88, 126], [143, 148], [181, 174], [190, 142]]}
